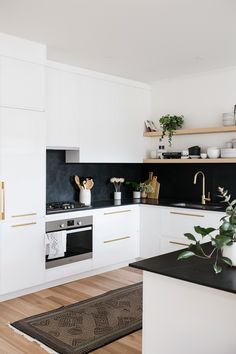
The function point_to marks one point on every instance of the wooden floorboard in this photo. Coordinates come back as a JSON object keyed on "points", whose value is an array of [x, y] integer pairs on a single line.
{"points": [[49, 299]]}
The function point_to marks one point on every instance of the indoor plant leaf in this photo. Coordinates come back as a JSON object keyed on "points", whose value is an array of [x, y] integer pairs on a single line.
{"points": [[227, 260], [204, 231], [190, 236], [186, 254], [217, 268]]}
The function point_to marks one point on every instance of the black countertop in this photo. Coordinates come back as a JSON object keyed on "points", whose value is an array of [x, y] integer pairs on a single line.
{"points": [[130, 201], [161, 202], [193, 270]]}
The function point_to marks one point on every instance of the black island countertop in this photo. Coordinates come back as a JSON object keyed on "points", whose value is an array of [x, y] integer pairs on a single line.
{"points": [[193, 270]]}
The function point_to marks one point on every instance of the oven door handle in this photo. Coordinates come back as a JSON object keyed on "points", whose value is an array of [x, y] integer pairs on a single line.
{"points": [[88, 228]]}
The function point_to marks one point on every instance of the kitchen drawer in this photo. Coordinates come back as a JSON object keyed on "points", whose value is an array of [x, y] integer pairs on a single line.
{"points": [[116, 222], [115, 250], [175, 222], [172, 244]]}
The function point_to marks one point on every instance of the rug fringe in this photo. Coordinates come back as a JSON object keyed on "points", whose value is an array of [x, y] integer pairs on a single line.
{"points": [[30, 339]]}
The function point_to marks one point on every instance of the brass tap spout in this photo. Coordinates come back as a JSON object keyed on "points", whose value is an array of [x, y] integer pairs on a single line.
{"points": [[203, 197]]}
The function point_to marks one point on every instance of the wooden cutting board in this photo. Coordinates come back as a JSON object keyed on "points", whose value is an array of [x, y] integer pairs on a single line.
{"points": [[156, 188]]}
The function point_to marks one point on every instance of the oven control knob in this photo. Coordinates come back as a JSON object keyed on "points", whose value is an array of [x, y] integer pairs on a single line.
{"points": [[62, 225], [79, 222]]}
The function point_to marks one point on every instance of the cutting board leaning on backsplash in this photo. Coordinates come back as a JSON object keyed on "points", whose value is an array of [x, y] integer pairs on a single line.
{"points": [[152, 180]]}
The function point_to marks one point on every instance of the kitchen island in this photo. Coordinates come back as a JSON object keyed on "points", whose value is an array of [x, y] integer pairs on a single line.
{"points": [[187, 308]]}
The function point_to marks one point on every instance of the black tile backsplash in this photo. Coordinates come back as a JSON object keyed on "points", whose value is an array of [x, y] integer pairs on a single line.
{"points": [[176, 179], [60, 182]]}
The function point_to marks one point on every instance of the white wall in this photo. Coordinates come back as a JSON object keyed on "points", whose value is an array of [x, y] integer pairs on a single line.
{"points": [[201, 99]]}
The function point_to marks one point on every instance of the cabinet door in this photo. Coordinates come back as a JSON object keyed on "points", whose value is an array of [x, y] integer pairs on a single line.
{"points": [[149, 231], [112, 114], [22, 161], [22, 84], [62, 108], [176, 222], [21, 254], [115, 235]]}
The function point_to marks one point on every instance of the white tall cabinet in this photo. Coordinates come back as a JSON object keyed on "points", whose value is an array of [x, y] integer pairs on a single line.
{"points": [[22, 163]]}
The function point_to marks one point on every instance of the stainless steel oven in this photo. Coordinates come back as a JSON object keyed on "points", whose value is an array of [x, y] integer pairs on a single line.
{"points": [[68, 241]]}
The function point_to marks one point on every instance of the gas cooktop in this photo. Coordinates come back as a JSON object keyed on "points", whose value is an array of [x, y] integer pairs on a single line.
{"points": [[60, 207]]}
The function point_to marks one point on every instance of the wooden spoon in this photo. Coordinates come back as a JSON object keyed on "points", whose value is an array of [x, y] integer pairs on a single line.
{"points": [[89, 183], [77, 181]]}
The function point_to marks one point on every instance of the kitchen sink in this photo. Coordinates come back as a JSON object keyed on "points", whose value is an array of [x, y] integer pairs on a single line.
{"points": [[197, 206]]}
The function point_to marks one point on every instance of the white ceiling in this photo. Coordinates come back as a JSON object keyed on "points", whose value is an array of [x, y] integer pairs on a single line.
{"points": [[144, 40]]}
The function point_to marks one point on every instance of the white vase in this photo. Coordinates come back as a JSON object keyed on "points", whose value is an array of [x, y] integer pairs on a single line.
{"points": [[136, 194], [230, 252], [117, 195], [85, 196]]}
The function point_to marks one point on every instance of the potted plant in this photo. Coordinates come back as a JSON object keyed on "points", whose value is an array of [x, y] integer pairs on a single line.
{"points": [[145, 189], [223, 241], [169, 124], [140, 189], [136, 189]]}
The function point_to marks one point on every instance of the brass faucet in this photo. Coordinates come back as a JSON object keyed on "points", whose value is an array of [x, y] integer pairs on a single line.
{"points": [[203, 197]]}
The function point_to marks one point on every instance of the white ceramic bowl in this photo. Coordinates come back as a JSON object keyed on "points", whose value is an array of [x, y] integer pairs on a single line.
{"points": [[228, 153], [213, 152], [203, 155]]}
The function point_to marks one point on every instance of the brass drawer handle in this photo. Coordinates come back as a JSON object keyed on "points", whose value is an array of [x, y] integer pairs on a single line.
{"points": [[187, 214], [117, 212], [23, 215], [117, 239], [2, 201], [25, 224], [178, 243]]}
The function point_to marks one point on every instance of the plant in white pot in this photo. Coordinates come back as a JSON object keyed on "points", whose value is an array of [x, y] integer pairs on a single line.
{"points": [[141, 189], [136, 189], [223, 241]]}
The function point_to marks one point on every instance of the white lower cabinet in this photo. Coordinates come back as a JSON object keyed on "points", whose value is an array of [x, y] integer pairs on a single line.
{"points": [[149, 230], [175, 222], [116, 235], [21, 254]]}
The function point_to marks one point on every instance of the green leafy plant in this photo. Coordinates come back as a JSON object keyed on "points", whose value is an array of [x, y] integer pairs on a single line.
{"points": [[225, 235], [147, 188], [139, 186], [169, 124], [134, 185]]}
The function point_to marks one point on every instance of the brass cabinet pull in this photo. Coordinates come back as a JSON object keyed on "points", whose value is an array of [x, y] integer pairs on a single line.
{"points": [[117, 239], [117, 212], [25, 224], [23, 215], [178, 243], [187, 214], [2, 201]]}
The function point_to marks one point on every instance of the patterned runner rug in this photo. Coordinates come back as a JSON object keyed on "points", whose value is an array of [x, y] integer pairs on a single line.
{"points": [[89, 324]]}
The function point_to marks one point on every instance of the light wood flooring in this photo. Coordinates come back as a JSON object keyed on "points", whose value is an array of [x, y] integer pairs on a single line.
{"points": [[49, 299]]}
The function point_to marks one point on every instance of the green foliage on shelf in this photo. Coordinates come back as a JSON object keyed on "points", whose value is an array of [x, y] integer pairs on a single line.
{"points": [[169, 124]]}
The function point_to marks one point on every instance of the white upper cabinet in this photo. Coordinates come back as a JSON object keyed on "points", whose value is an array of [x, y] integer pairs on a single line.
{"points": [[21, 84], [22, 73], [102, 115], [62, 108], [112, 119]]}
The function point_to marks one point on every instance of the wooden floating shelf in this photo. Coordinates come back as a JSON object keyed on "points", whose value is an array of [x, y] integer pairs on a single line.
{"points": [[220, 160], [231, 128]]}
